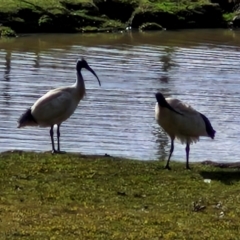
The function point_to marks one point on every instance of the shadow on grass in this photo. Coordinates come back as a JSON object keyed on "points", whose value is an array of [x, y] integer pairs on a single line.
{"points": [[226, 177], [230, 172]]}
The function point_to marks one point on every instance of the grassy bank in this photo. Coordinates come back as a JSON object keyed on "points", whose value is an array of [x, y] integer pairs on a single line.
{"points": [[112, 15], [89, 197]]}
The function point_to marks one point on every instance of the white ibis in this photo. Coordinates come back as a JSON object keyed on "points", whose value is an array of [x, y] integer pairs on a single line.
{"points": [[181, 121], [57, 105]]}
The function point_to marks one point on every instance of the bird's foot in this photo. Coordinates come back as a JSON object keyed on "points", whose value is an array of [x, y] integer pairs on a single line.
{"points": [[167, 167], [188, 168], [57, 152]]}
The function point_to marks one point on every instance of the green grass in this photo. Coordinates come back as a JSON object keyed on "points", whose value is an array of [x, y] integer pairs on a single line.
{"points": [[51, 5], [95, 16], [6, 32], [228, 16], [15, 5], [44, 196]]}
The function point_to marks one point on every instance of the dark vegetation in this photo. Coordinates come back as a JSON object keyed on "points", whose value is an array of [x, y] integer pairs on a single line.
{"points": [[28, 16]]}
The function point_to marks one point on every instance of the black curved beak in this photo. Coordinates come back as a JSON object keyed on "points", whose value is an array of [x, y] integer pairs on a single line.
{"points": [[89, 69]]}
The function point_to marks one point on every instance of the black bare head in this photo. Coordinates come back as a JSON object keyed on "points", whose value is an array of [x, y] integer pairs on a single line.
{"points": [[163, 103], [82, 63], [210, 131], [161, 100]]}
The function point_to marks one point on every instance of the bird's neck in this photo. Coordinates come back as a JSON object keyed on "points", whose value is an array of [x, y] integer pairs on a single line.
{"points": [[79, 85]]}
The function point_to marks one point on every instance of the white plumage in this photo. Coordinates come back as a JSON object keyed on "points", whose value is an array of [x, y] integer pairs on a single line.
{"points": [[181, 121], [57, 105]]}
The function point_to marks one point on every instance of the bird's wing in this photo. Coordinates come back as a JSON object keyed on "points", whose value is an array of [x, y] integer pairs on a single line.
{"points": [[181, 107], [52, 106], [191, 123]]}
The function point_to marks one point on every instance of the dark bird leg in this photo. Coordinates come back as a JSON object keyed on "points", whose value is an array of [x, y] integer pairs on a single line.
{"points": [[52, 140], [58, 136], [171, 151], [58, 139], [187, 156]]}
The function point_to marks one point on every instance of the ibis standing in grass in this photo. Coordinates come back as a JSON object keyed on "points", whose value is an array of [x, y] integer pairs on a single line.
{"points": [[181, 121], [57, 105]]}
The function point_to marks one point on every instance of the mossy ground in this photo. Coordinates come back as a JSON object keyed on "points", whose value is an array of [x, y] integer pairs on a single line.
{"points": [[6, 32], [112, 15], [70, 196]]}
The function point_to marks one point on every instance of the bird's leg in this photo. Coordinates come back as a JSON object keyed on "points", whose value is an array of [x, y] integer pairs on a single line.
{"points": [[187, 156], [52, 140], [171, 151], [58, 136]]}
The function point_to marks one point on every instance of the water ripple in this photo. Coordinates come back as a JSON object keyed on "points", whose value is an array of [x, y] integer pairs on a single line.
{"points": [[118, 118]]}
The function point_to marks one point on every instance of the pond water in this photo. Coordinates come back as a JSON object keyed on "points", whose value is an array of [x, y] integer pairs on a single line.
{"points": [[201, 67]]}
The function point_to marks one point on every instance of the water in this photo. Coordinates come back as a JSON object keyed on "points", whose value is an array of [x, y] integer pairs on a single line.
{"points": [[200, 67]]}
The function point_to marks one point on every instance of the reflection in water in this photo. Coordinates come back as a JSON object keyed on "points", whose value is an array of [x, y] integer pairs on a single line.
{"points": [[199, 67], [6, 82], [7, 65], [168, 63], [164, 78], [36, 61], [162, 142], [167, 59]]}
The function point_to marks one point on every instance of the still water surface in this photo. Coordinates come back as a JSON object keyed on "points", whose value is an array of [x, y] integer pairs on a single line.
{"points": [[200, 67]]}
